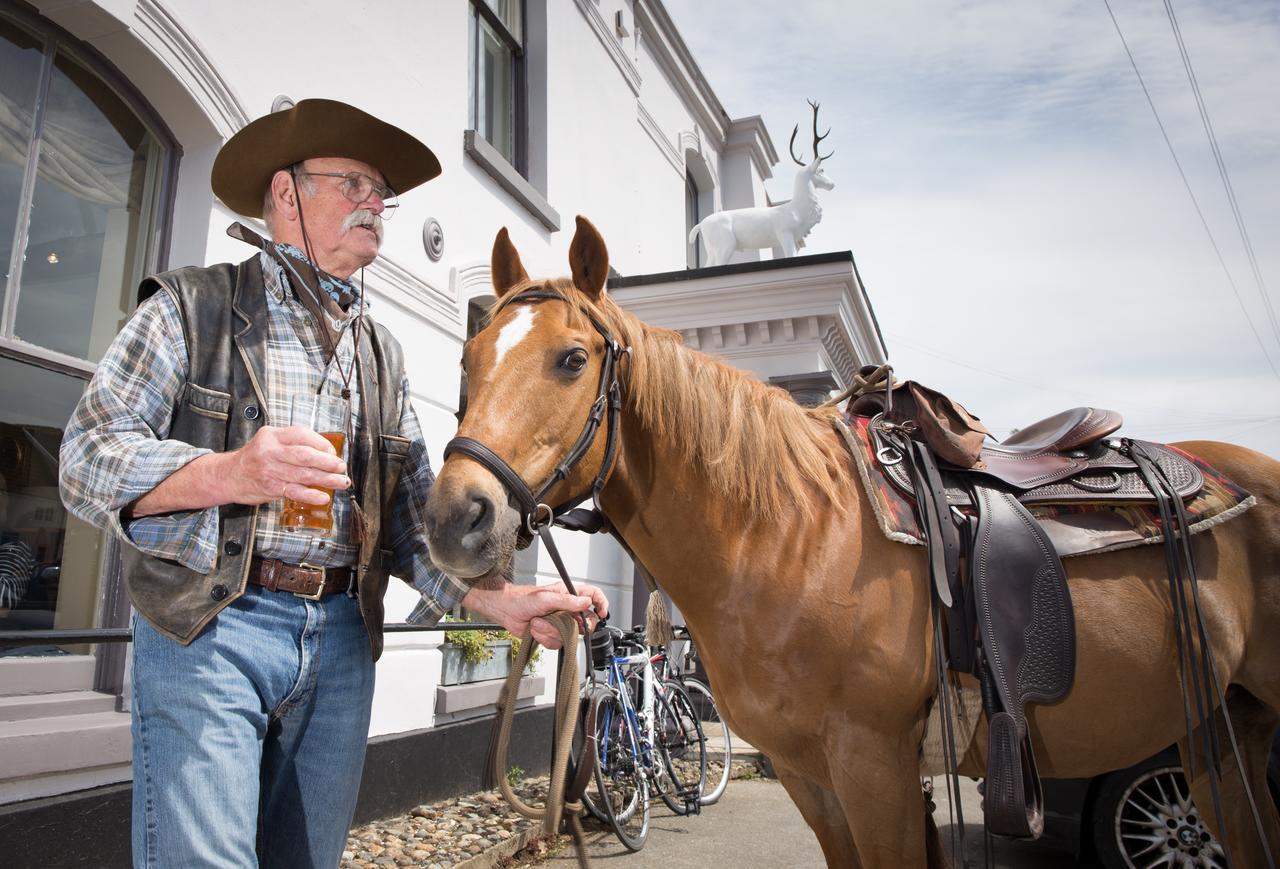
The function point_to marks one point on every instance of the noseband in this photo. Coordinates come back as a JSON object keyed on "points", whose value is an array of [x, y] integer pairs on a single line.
{"points": [[535, 515]]}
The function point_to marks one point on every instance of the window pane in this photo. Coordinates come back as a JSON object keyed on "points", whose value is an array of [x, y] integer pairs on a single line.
{"points": [[49, 561], [91, 218], [497, 104], [21, 57], [508, 12], [691, 219]]}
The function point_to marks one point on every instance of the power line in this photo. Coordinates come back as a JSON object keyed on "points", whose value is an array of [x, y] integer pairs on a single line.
{"points": [[1185, 183], [1222, 168]]}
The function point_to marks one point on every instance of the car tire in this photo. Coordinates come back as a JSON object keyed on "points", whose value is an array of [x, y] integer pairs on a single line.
{"points": [[1144, 813]]}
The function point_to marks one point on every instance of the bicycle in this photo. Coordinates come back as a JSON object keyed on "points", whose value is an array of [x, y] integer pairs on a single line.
{"points": [[716, 732], [641, 747]]}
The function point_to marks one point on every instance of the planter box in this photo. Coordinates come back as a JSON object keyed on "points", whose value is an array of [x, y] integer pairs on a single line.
{"points": [[456, 671]]}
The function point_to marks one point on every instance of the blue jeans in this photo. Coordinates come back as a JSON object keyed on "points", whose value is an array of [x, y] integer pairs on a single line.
{"points": [[248, 744]]}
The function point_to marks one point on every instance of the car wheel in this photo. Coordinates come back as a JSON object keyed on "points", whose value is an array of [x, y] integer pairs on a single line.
{"points": [[1143, 816]]}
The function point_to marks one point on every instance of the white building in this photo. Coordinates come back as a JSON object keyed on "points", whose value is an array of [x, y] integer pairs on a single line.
{"points": [[111, 112]]}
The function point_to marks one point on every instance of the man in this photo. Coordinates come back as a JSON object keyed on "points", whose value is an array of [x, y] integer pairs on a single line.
{"points": [[254, 647]]}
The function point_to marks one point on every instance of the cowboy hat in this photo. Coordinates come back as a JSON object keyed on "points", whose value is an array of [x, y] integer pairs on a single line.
{"points": [[244, 166]]}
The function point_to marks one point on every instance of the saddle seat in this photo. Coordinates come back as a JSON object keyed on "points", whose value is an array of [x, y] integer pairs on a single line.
{"points": [[1069, 430], [1049, 450]]}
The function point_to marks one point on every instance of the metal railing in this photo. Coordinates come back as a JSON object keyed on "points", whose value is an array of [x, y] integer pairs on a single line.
{"points": [[12, 639]]}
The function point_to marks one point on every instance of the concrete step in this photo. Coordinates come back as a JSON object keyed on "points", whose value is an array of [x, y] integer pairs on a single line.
{"points": [[56, 704], [45, 674], [41, 746]]}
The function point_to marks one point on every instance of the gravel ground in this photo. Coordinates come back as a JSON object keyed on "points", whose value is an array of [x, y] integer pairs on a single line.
{"points": [[444, 834]]}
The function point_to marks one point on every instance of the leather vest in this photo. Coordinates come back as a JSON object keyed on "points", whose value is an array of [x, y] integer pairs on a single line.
{"points": [[224, 316]]}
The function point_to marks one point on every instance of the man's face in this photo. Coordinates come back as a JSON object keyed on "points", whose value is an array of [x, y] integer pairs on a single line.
{"points": [[344, 238]]}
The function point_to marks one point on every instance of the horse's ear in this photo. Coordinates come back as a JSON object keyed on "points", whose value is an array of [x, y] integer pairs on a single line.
{"points": [[588, 259], [505, 265]]}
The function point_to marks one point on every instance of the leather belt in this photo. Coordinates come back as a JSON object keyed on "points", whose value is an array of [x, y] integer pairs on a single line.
{"points": [[304, 580]]}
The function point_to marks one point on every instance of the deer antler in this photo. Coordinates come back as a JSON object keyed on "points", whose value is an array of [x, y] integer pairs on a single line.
{"points": [[816, 138], [792, 146]]}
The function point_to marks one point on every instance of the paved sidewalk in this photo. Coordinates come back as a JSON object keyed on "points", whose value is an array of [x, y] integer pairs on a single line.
{"points": [[754, 824], [757, 825]]}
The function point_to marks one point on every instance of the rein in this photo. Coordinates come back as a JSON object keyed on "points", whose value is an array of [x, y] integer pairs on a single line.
{"points": [[564, 796]]}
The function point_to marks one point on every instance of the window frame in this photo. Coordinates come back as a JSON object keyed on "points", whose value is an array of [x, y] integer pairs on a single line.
{"points": [[520, 95], [113, 608]]}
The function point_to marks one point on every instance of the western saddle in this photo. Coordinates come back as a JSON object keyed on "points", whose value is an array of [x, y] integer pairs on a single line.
{"points": [[1002, 605]]}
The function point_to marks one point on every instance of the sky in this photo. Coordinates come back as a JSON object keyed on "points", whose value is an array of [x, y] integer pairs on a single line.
{"points": [[1022, 231]]}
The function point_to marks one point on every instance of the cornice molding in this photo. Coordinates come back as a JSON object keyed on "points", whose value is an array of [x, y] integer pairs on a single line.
{"points": [[170, 42], [611, 45], [669, 51], [650, 126], [403, 287], [818, 307], [751, 135], [471, 280]]}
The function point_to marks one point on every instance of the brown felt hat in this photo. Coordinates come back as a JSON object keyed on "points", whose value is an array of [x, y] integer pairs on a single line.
{"points": [[315, 128]]}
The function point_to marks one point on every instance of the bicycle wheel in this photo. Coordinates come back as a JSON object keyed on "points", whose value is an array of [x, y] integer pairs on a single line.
{"points": [[588, 715], [682, 748], [620, 780], [719, 742]]}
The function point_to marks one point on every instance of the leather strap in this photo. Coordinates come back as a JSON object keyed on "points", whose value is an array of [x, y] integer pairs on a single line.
{"points": [[314, 582]]}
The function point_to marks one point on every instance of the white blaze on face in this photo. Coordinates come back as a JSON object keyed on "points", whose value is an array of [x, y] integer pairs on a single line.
{"points": [[515, 331]]}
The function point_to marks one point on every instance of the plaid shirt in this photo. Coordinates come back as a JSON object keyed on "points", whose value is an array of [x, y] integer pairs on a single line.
{"points": [[115, 448]]}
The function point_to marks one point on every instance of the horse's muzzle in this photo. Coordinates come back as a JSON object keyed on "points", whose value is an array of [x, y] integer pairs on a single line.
{"points": [[470, 529]]}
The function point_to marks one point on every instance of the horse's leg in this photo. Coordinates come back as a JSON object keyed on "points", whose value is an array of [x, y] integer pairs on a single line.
{"points": [[875, 777], [1255, 727], [822, 812]]}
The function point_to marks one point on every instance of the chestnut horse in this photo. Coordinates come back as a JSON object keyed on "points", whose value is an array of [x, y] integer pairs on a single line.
{"points": [[815, 629]]}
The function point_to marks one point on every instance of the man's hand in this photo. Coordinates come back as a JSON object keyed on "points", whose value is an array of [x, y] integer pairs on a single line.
{"points": [[517, 607], [290, 462], [276, 462]]}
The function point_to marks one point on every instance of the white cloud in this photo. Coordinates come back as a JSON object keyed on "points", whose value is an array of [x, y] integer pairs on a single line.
{"points": [[1011, 205]]}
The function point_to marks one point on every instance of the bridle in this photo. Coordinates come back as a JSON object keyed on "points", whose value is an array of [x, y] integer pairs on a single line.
{"points": [[536, 516]]}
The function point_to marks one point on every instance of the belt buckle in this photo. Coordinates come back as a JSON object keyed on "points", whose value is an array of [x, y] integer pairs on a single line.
{"points": [[319, 592]]}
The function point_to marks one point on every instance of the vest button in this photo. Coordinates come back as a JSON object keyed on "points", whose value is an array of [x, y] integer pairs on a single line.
{"points": [[232, 547], [219, 592], [251, 411]]}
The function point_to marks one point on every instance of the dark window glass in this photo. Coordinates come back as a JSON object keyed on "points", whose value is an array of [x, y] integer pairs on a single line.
{"points": [[692, 217], [21, 58], [97, 183], [50, 562], [496, 75]]}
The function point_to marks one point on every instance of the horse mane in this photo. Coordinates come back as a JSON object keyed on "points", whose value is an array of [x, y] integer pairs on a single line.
{"points": [[760, 450]]}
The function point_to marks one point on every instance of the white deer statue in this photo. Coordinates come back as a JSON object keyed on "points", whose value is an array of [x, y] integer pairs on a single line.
{"points": [[784, 225]]}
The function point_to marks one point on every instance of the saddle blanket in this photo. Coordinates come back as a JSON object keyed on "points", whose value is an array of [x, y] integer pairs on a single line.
{"points": [[1075, 528]]}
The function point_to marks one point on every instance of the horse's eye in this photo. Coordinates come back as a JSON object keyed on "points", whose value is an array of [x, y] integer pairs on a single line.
{"points": [[574, 360]]}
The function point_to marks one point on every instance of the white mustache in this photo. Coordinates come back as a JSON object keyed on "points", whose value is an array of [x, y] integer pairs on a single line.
{"points": [[363, 217]]}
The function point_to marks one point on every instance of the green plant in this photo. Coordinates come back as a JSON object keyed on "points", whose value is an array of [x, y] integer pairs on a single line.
{"points": [[514, 775], [476, 645]]}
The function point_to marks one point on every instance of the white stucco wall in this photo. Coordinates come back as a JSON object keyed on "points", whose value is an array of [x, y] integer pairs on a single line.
{"points": [[614, 119]]}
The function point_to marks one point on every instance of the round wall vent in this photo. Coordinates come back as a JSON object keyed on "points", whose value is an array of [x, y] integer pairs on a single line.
{"points": [[433, 239]]}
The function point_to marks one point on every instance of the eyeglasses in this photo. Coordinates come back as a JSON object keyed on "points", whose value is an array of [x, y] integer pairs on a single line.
{"points": [[358, 187]]}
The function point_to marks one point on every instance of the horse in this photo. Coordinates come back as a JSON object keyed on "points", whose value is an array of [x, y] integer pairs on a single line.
{"points": [[816, 631]]}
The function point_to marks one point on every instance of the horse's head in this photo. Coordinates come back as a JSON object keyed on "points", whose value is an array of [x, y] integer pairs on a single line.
{"points": [[535, 376]]}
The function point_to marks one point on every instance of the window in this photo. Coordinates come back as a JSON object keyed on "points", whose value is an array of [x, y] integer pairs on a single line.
{"points": [[498, 77], [84, 175], [692, 217]]}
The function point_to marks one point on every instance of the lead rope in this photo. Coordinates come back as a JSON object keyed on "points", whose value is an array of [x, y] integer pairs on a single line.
{"points": [[560, 803]]}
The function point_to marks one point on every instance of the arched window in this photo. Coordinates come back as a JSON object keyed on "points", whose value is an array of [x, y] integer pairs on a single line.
{"points": [[85, 173]]}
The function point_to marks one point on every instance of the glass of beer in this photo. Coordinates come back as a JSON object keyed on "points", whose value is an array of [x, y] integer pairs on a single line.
{"points": [[327, 416]]}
